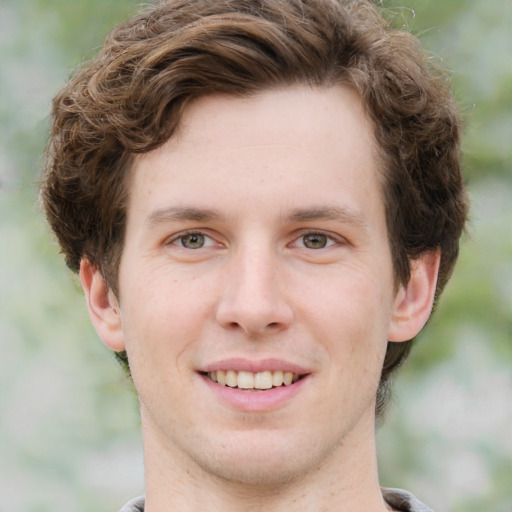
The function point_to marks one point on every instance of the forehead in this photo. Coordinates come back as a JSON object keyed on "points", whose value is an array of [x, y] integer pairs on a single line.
{"points": [[276, 115], [297, 141]]}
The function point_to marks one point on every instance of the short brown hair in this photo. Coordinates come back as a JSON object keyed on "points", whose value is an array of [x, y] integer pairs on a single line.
{"points": [[130, 98]]}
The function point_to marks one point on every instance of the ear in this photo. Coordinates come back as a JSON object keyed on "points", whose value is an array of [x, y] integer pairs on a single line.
{"points": [[102, 305], [414, 301]]}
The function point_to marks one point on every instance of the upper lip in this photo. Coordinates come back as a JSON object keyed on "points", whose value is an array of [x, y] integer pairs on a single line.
{"points": [[247, 365]]}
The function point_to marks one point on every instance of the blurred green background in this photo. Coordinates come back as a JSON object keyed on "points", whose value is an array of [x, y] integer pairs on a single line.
{"points": [[69, 430]]}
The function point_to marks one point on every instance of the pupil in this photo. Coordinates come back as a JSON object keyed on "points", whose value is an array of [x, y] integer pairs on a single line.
{"points": [[315, 241], [194, 241]]}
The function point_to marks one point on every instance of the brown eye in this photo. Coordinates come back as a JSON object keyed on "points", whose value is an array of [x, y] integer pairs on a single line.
{"points": [[314, 241], [192, 241]]}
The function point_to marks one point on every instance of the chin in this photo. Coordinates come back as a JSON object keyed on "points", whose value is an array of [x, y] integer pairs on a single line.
{"points": [[264, 462], [254, 473]]}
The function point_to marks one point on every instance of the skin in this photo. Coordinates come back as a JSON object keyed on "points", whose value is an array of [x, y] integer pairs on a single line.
{"points": [[288, 262]]}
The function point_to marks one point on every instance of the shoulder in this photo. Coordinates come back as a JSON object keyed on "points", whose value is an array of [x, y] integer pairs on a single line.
{"points": [[403, 500], [135, 505]]}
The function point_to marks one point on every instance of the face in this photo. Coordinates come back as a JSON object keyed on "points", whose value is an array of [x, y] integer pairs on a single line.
{"points": [[256, 292]]}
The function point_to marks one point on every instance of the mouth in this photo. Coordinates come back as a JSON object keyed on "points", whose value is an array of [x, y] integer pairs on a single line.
{"points": [[253, 381]]}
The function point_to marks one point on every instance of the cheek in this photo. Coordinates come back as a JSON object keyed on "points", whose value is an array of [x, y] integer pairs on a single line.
{"points": [[349, 295], [163, 317], [351, 318]]}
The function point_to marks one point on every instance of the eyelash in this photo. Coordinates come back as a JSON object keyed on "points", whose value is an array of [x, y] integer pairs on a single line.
{"points": [[330, 239], [180, 236]]}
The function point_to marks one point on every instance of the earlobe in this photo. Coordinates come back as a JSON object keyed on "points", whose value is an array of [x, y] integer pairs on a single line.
{"points": [[102, 305], [414, 301]]}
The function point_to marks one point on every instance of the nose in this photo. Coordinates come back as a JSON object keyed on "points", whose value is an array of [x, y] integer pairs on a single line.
{"points": [[253, 299]]}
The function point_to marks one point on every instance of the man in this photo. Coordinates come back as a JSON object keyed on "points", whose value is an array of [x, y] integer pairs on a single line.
{"points": [[263, 201]]}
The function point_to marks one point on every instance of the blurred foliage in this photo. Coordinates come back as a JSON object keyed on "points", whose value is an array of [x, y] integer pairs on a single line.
{"points": [[69, 426], [448, 437]]}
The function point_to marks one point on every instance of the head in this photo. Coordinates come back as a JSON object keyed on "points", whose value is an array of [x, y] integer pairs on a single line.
{"points": [[130, 100]]}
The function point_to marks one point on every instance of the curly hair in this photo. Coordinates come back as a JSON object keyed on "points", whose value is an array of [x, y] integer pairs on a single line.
{"points": [[130, 98]]}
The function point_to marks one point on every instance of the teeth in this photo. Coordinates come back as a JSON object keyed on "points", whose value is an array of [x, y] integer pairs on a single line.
{"points": [[287, 378], [231, 379], [245, 380], [249, 380], [277, 378], [262, 380]]}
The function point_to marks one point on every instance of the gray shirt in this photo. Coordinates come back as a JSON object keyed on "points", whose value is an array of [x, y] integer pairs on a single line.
{"points": [[397, 498]]}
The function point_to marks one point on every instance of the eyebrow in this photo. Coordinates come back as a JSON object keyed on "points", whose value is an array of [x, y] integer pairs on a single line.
{"points": [[172, 213], [335, 213]]}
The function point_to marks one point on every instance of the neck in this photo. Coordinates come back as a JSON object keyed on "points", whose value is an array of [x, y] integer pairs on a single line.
{"points": [[346, 481]]}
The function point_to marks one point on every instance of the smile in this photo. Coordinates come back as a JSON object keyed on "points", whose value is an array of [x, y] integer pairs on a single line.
{"points": [[249, 380]]}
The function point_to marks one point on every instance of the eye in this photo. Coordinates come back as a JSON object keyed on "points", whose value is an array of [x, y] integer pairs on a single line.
{"points": [[315, 241], [193, 240]]}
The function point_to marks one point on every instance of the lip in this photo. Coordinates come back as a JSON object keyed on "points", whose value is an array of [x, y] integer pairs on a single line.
{"points": [[246, 365], [255, 401]]}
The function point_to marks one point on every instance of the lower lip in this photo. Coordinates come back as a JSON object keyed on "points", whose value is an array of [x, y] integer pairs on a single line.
{"points": [[256, 401]]}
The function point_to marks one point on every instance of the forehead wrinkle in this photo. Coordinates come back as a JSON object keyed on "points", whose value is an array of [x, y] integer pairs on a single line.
{"points": [[180, 213]]}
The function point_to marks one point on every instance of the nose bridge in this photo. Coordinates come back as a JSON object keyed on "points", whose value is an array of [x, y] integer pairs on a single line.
{"points": [[252, 298]]}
